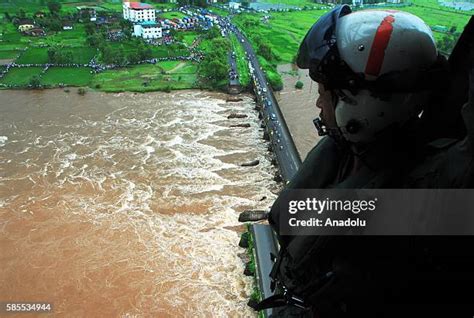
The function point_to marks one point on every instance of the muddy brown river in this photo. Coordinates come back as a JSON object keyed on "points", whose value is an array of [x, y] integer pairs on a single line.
{"points": [[126, 205], [299, 107]]}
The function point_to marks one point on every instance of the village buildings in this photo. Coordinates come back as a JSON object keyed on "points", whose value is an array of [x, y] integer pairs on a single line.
{"points": [[138, 12], [147, 30]]}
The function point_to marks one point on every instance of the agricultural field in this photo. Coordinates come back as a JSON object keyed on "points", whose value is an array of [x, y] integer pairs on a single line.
{"points": [[296, 3], [285, 30], [33, 56], [8, 54], [170, 75], [68, 76], [20, 76]]}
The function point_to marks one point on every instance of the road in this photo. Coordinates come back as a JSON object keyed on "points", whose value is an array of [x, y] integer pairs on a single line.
{"points": [[282, 142]]}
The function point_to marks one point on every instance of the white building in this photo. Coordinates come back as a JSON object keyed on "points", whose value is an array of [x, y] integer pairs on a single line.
{"points": [[147, 30], [234, 5], [138, 12]]}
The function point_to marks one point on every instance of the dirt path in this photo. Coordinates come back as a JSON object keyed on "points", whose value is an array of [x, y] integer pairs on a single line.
{"points": [[177, 67]]}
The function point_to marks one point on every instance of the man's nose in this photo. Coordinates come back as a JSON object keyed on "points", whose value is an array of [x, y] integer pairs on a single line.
{"points": [[318, 103]]}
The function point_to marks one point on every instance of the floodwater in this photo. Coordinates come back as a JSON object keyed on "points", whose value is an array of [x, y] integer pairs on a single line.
{"points": [[299, 107], [458, 5], [269, 6], [126, 205]]}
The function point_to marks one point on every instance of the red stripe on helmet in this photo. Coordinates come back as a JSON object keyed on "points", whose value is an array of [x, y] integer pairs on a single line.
{"points": [[377, 52]]}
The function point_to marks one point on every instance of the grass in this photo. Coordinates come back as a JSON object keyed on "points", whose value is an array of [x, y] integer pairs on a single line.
{"points": [[172, 15], [75, 37], [296, 3], [205, 45], [142, 78], [219, 11], [189, 37], [283, 37], [82, 55], [157, 51], [69, 76], [8, 54], [34, 56], [20, 76]]}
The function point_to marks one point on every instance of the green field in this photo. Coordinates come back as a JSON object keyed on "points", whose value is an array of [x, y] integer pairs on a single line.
{"points": [[130, 47], [171, 15], [69, 76], [8, 54], [189, 37], [20, 76], [34, 56], [285, 30], [296, 3], [82, 55], [142, 78]]}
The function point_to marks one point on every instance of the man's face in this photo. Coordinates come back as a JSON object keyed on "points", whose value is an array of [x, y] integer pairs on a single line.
{"points": [[325, 103]]}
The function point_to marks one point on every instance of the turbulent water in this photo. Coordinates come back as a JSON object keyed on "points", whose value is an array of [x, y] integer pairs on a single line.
{"points": [[127, 204]]}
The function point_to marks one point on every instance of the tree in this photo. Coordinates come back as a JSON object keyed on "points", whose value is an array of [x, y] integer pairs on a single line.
{"points": [[265, 50], [200, 3], [54, 7], [35, 82], [58, 55], [55, 25], [299, 85], [89, 28], [21, 14], [95, 40]]}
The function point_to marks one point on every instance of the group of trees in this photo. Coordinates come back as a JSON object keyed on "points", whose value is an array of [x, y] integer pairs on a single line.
{"points": [[54, 7], [59, 55], [214, 67], [197, 3], [113, 55]]}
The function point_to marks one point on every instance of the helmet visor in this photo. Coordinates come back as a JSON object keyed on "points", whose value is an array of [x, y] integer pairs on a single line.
{"points": [[320, 38]]}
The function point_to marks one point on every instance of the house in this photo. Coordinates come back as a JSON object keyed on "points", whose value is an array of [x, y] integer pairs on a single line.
{"points": [[138, 12], [67, 25], [357, 2], [35, 32], [147, 30], [24, 24], [87, 13], [25, 27], [234, 5], [39, 15]]}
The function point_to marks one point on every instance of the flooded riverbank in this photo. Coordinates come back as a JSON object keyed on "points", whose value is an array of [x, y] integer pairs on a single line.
{"points": [[126, 204]]}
